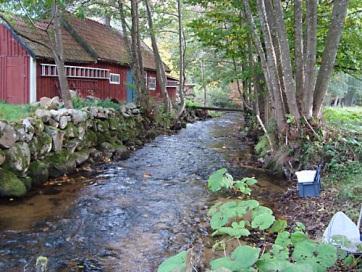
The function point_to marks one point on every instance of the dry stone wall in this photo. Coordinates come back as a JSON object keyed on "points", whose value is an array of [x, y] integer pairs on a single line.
{"points": [[54, 142]]}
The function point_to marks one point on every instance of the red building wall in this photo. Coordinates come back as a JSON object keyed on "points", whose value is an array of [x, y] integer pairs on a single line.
{"points": [[14, 69], [101, 88], [157, 93]]}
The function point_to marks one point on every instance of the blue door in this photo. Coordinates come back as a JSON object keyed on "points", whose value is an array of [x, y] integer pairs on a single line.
{"points": [[131, 88]]}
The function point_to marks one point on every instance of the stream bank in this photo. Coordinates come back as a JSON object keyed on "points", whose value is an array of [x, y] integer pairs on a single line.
{"points": [[124, 215]]}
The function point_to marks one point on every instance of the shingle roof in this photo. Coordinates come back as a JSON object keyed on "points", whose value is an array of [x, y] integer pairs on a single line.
{"points": [[84, 40]]}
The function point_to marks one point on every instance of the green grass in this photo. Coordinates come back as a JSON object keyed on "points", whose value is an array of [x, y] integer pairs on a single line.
{"points": [[345, 151], [347, 119], [10, 112]]}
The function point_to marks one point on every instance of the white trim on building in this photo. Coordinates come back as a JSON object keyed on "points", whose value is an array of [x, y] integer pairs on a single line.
{"points": [[32, 80]]}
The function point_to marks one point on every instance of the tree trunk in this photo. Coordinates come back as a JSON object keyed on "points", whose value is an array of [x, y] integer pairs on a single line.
{"points": [[286, 65], [298, 54], [182, 59], [58, 53], [139, 74], [310, 57], [271, 73], [160, 69], [329, 54]]}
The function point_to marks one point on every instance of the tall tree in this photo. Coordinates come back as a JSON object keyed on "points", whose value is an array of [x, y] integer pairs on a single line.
{"points": [[58, 53], [181, 58], [160, 68], [329, 54]]}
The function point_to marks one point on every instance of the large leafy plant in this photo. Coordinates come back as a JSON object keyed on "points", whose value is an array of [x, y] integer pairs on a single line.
{"points": [[290, 253], [221, 179], [237, 217], [175, 263]]}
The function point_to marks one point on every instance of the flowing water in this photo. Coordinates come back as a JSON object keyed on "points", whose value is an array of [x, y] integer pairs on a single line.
{"points": [[127, 215]]}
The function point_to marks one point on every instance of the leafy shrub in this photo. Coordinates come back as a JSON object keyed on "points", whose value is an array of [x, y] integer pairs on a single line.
{"points": [[221, 179]]}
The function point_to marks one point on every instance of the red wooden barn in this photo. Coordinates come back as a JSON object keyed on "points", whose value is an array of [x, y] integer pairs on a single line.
{"points": [[97, 63]]}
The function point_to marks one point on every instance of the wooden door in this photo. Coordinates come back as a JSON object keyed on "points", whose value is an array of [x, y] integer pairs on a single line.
{"points": [[16, 80]]}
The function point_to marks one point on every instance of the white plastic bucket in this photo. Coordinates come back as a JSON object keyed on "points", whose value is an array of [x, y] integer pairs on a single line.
{"points": [[306, 176]]}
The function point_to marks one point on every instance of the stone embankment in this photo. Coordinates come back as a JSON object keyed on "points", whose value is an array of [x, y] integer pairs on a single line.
{"points": [[53, 142]]}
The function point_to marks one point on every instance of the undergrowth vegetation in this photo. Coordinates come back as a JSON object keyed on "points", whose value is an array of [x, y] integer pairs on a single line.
{"points": [[79, 103], [337, 146], [290, 249], [11, 112]]}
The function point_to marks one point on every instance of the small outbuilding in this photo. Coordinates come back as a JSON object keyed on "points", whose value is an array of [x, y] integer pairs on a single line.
{"points": [[97, 62]]}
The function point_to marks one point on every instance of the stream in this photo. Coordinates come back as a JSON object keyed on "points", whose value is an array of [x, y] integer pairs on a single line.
{"points": [[128, 215]]}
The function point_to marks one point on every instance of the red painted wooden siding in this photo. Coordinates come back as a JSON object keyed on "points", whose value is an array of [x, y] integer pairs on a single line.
{"points": [[14, 69], [101, 88], [157, 93]]}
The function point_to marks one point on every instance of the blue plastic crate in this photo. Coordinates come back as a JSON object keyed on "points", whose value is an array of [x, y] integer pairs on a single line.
{"points": [[311, 189]]}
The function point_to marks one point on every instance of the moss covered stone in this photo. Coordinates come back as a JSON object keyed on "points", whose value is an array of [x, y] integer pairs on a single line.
{"points": [[71, 131], [40, 145], [61, 163], [18, 158], [38, 171], [11, 185], [27, 182], [2, 157]]}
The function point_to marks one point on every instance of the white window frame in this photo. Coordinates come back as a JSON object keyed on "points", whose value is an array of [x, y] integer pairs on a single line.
{"points": [[111, 81], [152, 83]]}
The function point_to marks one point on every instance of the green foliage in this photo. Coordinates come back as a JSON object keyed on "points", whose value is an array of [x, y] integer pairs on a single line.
{"points": [[190, 104], [221, 179], [79, 103], [175, 263], [242, 258], [11, 112], [262, 147], [236, 217], [348, 119], [279, 225], [163, 119], [285, 255]]}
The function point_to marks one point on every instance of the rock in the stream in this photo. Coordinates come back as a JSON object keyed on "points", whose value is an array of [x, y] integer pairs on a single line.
{"points": [[7, 135], [38, 171], [121, 153], [81, 157], [11, 185], [18, 157]]}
